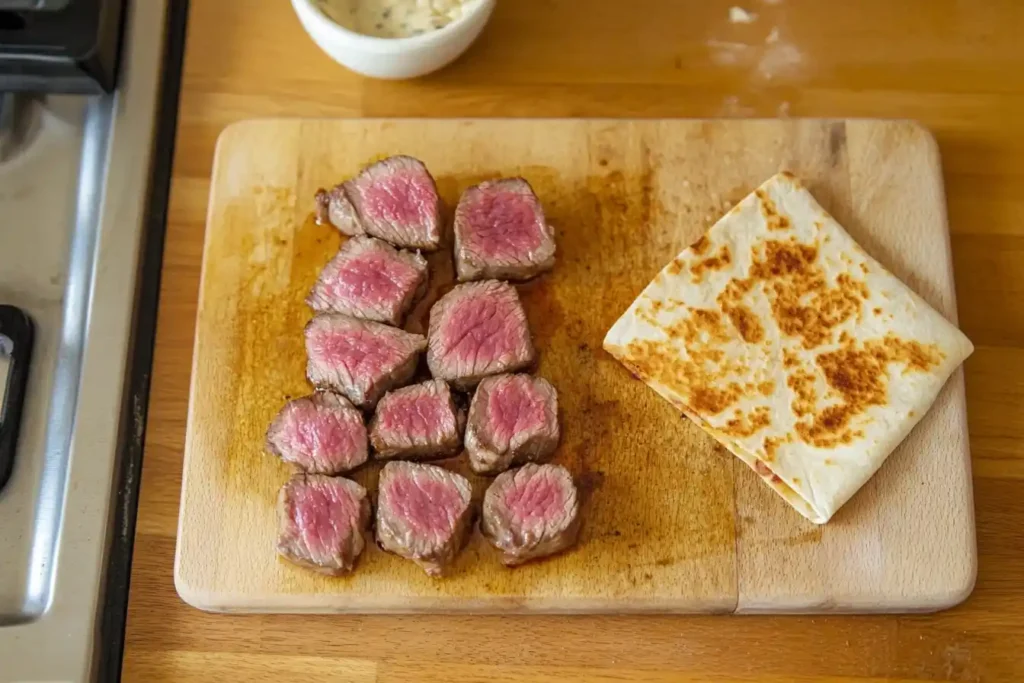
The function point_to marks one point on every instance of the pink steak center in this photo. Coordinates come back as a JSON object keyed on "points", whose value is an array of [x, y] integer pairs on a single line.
{"points": [[514, 406], [320, 433], [418, 417], [502, 225], [428, 506], [481, 329], [324, 515], [399, 198], [360, 352], [373, 279], [535, 500]]}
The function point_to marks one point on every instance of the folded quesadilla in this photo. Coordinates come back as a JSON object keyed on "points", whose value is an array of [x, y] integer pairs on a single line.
{"points": [[783, 339]]}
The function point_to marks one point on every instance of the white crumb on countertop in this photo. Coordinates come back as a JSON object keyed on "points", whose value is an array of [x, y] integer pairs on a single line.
{"points": [[738, 15], [726, 52], [773, 36], [780, 59]]}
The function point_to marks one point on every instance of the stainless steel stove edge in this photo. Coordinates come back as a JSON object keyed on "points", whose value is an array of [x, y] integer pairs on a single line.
{"points": [[56, 639]]}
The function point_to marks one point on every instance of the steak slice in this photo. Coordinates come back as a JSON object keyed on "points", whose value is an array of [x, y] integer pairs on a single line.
{"points": [[512, 419], [334, 208], [418, 422], [358, 358], [531, 512], [478, 329], [370, 279], [396, 200], [423, 513], [321, 434], [501, 232], [321, 522]]}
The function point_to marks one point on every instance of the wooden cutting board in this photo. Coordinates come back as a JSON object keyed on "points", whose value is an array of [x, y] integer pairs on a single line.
{"points": [[672, 522]]}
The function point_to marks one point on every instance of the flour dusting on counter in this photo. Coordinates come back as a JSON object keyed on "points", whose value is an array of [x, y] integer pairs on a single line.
{"points": [[394, 18], [738, 15]]}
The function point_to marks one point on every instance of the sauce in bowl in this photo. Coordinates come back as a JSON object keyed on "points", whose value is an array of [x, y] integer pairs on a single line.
{"points": [[393, 18]]}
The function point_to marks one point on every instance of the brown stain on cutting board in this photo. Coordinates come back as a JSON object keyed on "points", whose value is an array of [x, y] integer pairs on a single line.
{"points": [[664, 513]]}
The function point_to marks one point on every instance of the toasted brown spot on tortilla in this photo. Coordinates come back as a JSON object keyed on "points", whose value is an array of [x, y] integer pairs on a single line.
{"points": [[828, 461], [720, 260], [746, 323], [676, 266], [745, 426], [859, 374], [673, 304], [710, 400], [864, 267], [695, 374], [916, 356], [646, 315], [701, 245], [806, 396], [766, 388], [771, 445], [743, 319], [829, 428], [859, 287], [878, 311], [790, 359], [802, 303], [782, 259], [775, 220], [708, 321], [707, 355]]}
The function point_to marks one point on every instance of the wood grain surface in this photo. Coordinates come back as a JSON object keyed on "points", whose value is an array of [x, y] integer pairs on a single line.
{"points": [[672, 522], [955, 66]]}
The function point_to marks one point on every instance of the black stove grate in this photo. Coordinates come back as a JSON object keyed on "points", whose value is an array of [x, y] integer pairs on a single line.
{"points": [[63, 46]]}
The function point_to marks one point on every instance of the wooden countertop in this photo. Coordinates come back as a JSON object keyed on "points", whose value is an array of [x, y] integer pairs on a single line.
{"points": [[956, 66]]}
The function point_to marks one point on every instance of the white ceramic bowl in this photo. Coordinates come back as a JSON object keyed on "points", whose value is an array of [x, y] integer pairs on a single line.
{"points": [[394, 57]]}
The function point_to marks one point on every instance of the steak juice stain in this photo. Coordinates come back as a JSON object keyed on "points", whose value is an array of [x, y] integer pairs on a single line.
{"points": [[618, 438], [266, 352]]}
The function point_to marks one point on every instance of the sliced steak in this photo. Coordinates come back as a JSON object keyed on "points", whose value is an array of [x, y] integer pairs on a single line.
{"points": [[478, 329], [334, 208], [512, 419], [359, 359], [321, 522], [423, 513], [396, 200], [321, 434], [531, 512], [501, 232], [417, 423], [370, 279]]}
